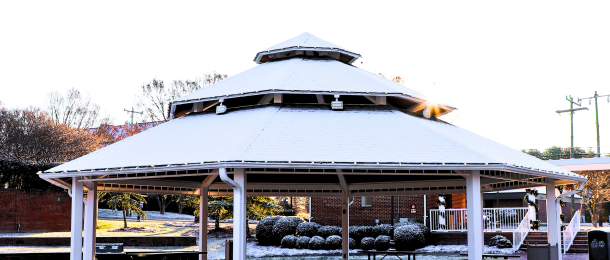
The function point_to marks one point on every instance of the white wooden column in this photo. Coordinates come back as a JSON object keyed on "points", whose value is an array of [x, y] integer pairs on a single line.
{"points": [[90, 209], [76, 237], [345, 226], [203, 221], [552, 219], [239, 215], [475, 216]]}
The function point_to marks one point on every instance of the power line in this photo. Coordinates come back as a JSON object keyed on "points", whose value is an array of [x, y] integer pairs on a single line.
{"points": [[572, 110], [595, 96], [132, 111]]}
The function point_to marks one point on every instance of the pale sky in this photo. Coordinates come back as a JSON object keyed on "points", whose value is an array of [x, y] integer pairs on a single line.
{"points": [[506, 65]]}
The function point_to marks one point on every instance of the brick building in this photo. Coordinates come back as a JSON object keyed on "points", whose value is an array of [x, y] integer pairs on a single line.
{"points": [[34, 211]]}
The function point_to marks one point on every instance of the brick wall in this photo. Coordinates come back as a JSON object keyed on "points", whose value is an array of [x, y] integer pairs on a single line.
{"points": [[567, 211], [34, 210], [327, 210]]}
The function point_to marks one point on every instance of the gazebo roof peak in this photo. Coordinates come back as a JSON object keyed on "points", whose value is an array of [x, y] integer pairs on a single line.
{"points": [[308, 45]]}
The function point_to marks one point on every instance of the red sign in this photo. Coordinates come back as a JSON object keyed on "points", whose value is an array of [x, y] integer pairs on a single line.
{"points": [[413, 208]]}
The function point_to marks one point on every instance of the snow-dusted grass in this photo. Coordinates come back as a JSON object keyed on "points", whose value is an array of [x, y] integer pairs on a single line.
{"points": [[150, 215], [463, 249], [106, 228]]}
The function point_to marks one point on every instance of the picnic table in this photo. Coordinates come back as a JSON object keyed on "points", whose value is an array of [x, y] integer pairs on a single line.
{"points": [[391, 252], [495, 256]]}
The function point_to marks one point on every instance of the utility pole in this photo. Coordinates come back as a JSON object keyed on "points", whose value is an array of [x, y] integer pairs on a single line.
{"points": [[571, 110], [595, 96], [132, 111]]}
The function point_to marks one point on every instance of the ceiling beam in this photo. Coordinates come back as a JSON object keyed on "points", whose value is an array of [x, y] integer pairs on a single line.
{"points": [[266, 99], [320, 99]]}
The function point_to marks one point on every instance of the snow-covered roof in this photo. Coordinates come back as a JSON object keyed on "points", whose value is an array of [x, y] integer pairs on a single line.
{"points": [[298, 75], [584, 164], [311, 134], [306, 42]]}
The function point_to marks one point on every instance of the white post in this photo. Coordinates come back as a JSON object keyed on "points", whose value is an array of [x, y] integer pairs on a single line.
{"points": [[76, 237], [203, 221], [425, 212], [239, 215], [532, 211], [90, 209], [475, 216], [345, 226], [553, 210], [441, 215]]}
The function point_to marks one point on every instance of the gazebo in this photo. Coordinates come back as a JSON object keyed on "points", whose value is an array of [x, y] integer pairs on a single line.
{"points": [[305, 122]]}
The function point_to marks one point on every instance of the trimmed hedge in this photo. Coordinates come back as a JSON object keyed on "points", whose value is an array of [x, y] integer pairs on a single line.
{"points": [[264, 231], [367, 243], [289, 241], [352, 243], [285, 226], [500, 242], [382, 243], [308, 229], [303, 242], [383, 229], [326, 231], [316, 243], [410, 237], [333, 242]]}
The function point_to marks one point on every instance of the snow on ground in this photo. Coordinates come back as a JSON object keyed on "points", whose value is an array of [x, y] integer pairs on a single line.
{"points": [[151, 215], [463, 249], [255, 250]]}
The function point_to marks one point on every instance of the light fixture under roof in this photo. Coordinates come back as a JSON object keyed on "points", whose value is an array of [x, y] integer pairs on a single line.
{"points": [[221, 109], [336, 105]]}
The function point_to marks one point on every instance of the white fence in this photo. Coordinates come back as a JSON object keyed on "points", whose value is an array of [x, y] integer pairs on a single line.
{"points": [[448, 220], [495, 219], [571, 231]]}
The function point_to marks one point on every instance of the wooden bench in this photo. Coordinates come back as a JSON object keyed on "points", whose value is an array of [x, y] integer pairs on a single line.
{"points": [[495, 256], [394, 253]]}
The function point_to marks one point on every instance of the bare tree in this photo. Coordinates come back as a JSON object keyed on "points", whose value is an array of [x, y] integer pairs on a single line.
{"points": [[595, 193], [30, 135], [155, 97], [162, 200], [74, 109]]}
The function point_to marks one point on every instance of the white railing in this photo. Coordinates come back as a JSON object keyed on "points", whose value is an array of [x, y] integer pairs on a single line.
{"points": [[521, 232], [571, 231], [503, 219], [448, 220], [494, 219]]}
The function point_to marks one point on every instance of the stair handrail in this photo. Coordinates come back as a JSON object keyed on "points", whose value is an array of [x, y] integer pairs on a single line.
{"points": [[521, 232], [569, 234]]}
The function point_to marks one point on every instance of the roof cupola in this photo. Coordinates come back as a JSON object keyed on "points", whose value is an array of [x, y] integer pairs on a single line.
{"points": [[306, 45]]}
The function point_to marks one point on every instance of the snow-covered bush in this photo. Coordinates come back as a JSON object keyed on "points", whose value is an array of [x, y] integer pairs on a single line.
{"points": [[500, 242], [303, 242], [382, 243], [409, 237], [360, 232], [352, 243], [285, 226], [333, 242], [308, 229], [367, 243], [264, 231], [383, 229], [289, 241], [326, 231], [316, 242]]}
